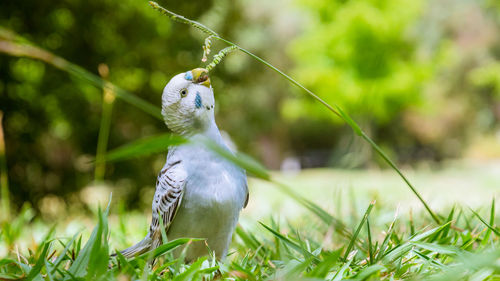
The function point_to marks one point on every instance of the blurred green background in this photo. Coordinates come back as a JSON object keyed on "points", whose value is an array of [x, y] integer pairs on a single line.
{"points": [[421, 77]]}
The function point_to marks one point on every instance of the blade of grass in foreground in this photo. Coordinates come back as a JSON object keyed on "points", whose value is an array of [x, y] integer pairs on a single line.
{"points": [[63, 253], [166, 248], [492, 223], [492, 228], [160, 143], [358, 229], [145, 146], [40, 262], [337, 110], [289, 242], [90, 259]]}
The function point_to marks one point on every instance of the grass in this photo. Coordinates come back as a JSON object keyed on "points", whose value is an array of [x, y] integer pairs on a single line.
{"points": [[317, 245]]}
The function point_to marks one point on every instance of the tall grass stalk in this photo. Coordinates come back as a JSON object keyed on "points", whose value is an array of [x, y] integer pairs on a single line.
{"points": [[334, 109], [4, 177], [108, 100], [358, 229]]}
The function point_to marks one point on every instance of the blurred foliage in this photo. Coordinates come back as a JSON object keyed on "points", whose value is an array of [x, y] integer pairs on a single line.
{"points": [[423, 81], [52, 122], [359, 55]]}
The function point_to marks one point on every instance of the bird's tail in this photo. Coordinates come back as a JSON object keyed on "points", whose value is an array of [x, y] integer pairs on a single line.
{"points": [[143, 246]]}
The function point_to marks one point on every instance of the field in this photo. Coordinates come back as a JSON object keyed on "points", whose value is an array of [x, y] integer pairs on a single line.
{"points": [[283, 234]]}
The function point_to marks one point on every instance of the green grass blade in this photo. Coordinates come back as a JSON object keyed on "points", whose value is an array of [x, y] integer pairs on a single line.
{"points": [[397, 252], [249, 240], [144, 146], [369, 271], [61, 256], [422, 236], [35, 270], [125, 266], [497, 232], [4, 179], [358, 229], [288, 242], [191, 271], [340, 274], [243, 272], [49, 270], [166, 248], [326, 265], [384, 246], [369, 234], [99, 254], [296, 269], [79, 266], [449, 219], [104, 128], [433, 247], [428, 259], [492, 223], [404, 248], [400, 173]]}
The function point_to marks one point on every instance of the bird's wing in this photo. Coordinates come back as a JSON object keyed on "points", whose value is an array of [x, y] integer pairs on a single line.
{"points": [[168, 196]]}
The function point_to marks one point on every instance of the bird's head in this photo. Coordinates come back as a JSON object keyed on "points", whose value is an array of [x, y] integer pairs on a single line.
{"points": [[188, 102]]}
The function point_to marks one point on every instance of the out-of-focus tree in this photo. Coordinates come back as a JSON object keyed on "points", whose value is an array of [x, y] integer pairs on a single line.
{"points": [[363, 56], [360, 55], [460, 105], [402, 68]]}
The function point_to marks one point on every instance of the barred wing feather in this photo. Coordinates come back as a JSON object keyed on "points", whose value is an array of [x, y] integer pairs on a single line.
{"points": [[168, 197]]}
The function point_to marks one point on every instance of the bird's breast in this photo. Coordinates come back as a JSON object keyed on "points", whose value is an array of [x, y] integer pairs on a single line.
{"points": [[213, 182]]}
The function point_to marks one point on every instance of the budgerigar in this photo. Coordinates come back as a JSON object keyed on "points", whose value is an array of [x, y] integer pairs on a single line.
{"points": [[198, 193]]}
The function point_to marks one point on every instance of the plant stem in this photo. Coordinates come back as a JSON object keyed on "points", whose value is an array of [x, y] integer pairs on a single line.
{"points": [[4, 177], [108, 100]]}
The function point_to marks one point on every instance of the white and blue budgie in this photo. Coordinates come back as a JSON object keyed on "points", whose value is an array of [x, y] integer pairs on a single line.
{"points": [[198, 193]]}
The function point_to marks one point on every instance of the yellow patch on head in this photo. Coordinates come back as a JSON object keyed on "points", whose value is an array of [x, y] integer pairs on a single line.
{"points": [[200, 76]]}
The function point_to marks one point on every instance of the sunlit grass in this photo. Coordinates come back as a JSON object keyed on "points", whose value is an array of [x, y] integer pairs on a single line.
{"points": [[383, 244]]}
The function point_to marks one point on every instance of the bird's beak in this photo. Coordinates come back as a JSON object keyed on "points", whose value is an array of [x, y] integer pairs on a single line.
{"points": [[200, 76]]}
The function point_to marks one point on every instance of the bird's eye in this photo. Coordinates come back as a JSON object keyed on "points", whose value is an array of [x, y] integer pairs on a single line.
{"points": [[184, 92]]}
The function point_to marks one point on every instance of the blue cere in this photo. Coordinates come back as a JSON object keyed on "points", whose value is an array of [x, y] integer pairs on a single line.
{"points": [[188, 76], [197, 100]]}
